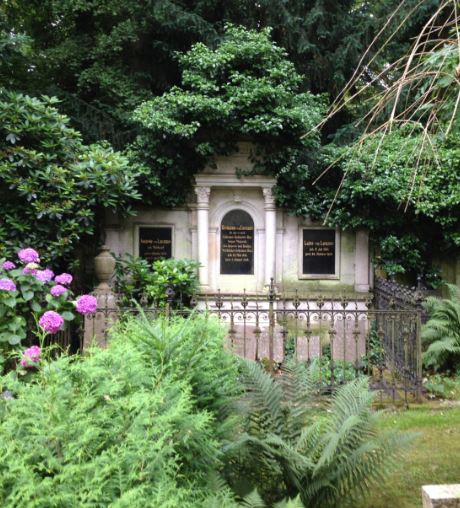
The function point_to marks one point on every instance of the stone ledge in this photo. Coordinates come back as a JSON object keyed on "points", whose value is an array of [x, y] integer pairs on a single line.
{"points": [[441, 496]]}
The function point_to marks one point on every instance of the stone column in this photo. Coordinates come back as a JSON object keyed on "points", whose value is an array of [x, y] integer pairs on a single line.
{"points": [[203, 233], [97, 325], [270, 234], [362, 261]]}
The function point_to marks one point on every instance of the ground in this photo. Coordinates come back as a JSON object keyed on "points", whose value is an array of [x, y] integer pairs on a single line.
{"points": [[433, 458]]}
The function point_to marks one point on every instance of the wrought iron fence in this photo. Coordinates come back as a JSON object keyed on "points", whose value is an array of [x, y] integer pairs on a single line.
{"points": [[341, 338], [389, 294]]}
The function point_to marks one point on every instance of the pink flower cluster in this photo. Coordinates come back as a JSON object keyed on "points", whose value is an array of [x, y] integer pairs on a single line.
{"points": [[58, 290], [29, 256], [31, 268], [45, 275], [7, 285], [65, 279], [86, 304], [51, 321], [8, 265], [31, 356]]}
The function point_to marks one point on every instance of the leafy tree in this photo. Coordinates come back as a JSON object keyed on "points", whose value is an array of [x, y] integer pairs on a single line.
{"points": [[52, 186], [114, 54], [399, 175], [245, 88]]}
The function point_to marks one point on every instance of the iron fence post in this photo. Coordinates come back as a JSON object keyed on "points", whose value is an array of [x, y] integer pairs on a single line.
{"points": [[418, 348], [271, 323]]}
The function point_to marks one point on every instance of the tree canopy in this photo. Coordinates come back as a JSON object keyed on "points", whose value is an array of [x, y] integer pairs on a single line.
{"points": [[175, 84], [246, 88]]}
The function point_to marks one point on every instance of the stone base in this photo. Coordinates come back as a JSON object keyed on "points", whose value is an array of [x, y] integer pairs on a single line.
{"points": [[441, 496]]}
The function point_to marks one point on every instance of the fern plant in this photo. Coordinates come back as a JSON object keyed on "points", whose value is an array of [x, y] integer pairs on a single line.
{"points": [[294, 447], [442, 332]]}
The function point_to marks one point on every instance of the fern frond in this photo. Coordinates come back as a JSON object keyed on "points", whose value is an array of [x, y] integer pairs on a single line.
{"points": [[291, 503], [265, 397], [253, 500]]}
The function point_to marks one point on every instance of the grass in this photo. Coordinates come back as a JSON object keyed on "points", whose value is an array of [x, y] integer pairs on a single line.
{"points": [[433, 458]]}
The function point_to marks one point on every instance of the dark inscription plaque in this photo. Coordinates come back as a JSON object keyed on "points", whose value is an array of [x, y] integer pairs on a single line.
{"points": [[155, 243], [318, 252], [237, 243]]}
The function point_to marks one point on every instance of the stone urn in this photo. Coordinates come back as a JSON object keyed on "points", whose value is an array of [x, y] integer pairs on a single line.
{"points": [[104, 266]]}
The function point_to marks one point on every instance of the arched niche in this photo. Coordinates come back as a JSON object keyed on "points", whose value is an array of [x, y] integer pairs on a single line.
{"points": [[237, 243]]}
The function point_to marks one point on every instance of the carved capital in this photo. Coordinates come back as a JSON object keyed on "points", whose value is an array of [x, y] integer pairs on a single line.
{"points": [[203, 195], [268, 197]]}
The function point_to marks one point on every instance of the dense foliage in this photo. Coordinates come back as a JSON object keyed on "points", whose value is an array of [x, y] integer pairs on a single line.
{"points": [[114, 54], [138, 424], [291, 448], [164, 417], [413, 216], [173, 281], [245, 88], [52, 186], [442, 332], [104, 58]]}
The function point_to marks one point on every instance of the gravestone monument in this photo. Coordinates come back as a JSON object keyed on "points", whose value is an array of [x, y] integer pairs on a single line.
{"points": [[233, 228]]}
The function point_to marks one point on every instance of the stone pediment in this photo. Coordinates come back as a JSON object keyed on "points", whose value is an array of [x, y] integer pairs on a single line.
{"points": [[225, 169]]}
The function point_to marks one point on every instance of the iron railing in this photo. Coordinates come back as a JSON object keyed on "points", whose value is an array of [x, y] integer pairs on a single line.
{"points": [[342, 338]]}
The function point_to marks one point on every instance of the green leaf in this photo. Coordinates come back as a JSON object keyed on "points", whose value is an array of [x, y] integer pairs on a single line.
{"points": [[14, 339], [68, 316], [9, 302], [35, 306], [27, 295]]}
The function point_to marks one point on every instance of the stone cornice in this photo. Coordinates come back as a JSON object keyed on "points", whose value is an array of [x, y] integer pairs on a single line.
{"points": [[229, 180]]}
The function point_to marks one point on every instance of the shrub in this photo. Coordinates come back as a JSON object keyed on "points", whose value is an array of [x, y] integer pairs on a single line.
{"points": [[33, 301], [137, 279], [442, 331], [443, 387], [52, 186], [141, 423], [291, 446]]}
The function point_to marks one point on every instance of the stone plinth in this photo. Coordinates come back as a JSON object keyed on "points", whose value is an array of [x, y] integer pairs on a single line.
{"points": [[441, 496]]}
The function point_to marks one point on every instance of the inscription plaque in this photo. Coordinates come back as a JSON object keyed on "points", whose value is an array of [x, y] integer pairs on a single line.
{"points": [[155, 243], [318, 249], [237, 243]]}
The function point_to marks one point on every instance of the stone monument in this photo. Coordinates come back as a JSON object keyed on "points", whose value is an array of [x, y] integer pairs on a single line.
{"points": [[231, 225]]}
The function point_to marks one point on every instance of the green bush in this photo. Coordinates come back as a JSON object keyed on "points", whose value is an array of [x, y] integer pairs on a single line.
{"points": [[139, 424], [137, 279], [293, 445], [160, 419], [245, 87], [53, 187], [443, 387]]}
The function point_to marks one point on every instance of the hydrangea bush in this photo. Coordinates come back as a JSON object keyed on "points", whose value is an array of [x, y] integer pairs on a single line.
{"points": [[35, 301]]}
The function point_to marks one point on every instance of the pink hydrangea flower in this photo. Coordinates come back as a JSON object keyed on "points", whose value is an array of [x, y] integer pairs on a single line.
{"points": [[31, 356], [65, 279], [30, 269], [86, 304], [51, 321], [58, 290], [29, 256], [7, 285], [45, 275], [8, 265]]}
